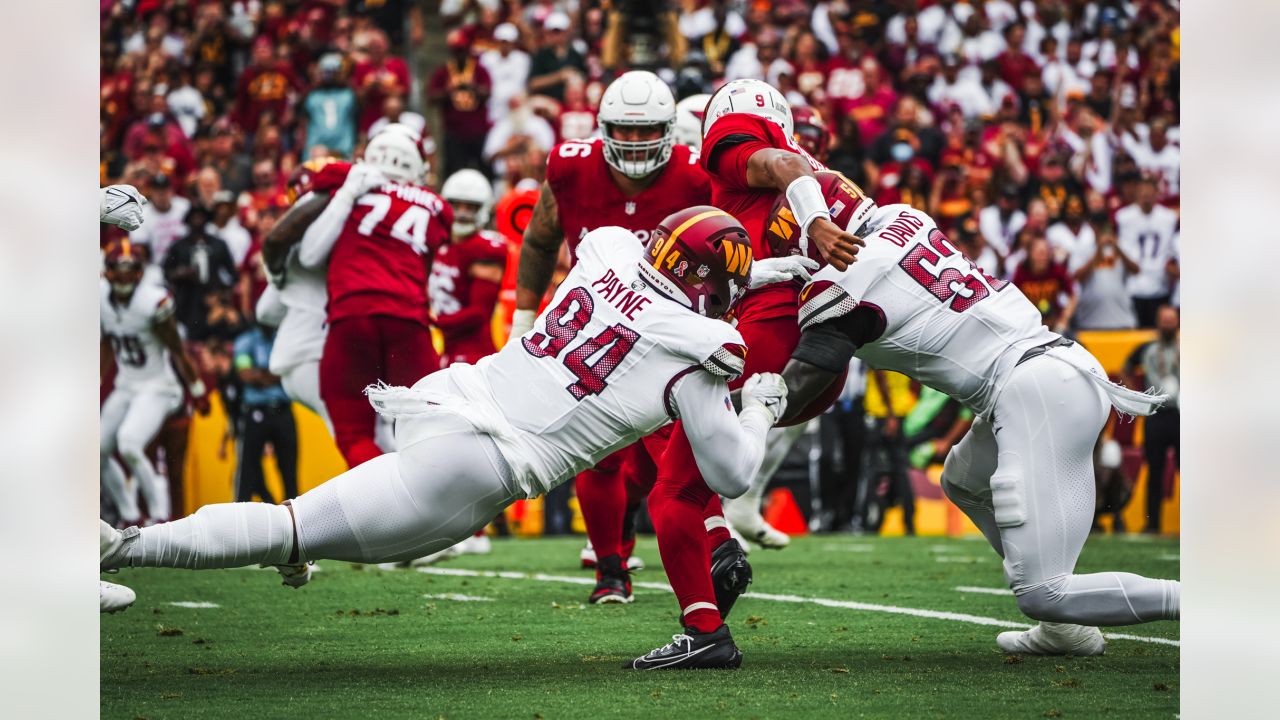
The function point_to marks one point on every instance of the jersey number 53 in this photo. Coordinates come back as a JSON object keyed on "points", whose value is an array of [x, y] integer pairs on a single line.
{"points": [[564, 322], [963, 289]]}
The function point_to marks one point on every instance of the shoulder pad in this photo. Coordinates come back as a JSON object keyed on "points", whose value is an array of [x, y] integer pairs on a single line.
{"points": [[823, 300], [727, 361]]}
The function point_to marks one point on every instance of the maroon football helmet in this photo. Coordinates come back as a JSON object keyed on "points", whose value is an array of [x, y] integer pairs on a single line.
{"points": [[811, 131], [849, 206], [123, 266], [700, 258], [301, 178]]}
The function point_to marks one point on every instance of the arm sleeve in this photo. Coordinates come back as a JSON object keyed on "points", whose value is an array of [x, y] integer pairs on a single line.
{"points": [[478, 310], [727, 446], [323, 232]]}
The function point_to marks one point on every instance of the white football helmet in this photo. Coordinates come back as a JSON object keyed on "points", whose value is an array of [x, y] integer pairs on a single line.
{"points": [[468, 186], [749, 96], [689, 112], [637, 98], [397, 151]]}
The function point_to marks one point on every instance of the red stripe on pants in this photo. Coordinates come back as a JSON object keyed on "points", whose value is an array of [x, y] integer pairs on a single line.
{"points": [[363, 350]]}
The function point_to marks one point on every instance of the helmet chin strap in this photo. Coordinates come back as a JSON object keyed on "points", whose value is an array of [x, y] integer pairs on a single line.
{"points": [[123, 290]]}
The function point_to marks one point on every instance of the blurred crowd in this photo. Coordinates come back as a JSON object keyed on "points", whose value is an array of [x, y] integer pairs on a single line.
{"points": [[1041, 134]]}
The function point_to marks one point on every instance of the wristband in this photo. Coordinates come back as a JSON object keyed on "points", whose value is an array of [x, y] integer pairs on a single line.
{"points": [[196, 389], [522, 322], [804, 194]]}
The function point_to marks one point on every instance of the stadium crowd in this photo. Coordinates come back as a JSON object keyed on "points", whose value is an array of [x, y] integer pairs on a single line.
{"points": [[1042, 134]]}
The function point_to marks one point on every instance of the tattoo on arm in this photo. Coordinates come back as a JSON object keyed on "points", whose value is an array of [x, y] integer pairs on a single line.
{"points": [[290, 228], [542, 240]]}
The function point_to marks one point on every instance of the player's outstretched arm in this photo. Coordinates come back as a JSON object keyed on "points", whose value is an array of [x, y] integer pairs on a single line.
{"points": [[822, 354], [727, 445], [166, 330], [538, 255], [791, 174], [323, 232], [288, 231]]}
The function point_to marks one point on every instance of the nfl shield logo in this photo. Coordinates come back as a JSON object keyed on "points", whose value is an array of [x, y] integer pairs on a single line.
{"points": [[630, 208], [703, 271]]}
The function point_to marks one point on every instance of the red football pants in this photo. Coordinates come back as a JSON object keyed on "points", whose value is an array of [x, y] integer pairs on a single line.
{"points": [[360, 351]]}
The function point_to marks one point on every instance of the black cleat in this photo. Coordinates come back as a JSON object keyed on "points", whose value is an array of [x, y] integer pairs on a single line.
{"points": [[730, 574], [692, 651], [613, 584]]}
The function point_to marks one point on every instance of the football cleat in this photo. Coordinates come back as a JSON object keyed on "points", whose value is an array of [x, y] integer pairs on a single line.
{"points": [[475, 545], [692, 651], [113, 598], [588, 558], [295, 576], [613, 584], [730, 574], [1053, 639], [110, 542], [748, 521]]}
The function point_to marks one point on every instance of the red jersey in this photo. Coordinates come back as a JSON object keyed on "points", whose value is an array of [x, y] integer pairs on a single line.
{"points": [[587, 196], [379, 263], [730, 142], [463, 305]]}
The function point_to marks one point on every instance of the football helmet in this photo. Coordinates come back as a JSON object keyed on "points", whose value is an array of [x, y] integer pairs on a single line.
{"points": [[755, 97], [701, 258], [637, 98], [811, 132], [397, 152], [689, 112], [849, 206], [302, 177], [122, 265], [468, 187]]}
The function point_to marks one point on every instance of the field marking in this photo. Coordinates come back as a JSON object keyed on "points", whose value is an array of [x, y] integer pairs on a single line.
{"points": [[1174, 557], [458, 597], [984, 591], [848, 548], [193, 604], [957, 559], [823, 602]]}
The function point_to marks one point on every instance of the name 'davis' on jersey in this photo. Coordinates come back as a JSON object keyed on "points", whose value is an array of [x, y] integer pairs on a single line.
{"points": [[611, 287]]}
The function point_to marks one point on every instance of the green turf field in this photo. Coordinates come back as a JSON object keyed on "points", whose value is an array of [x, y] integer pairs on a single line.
{"points": [[362, 643]]}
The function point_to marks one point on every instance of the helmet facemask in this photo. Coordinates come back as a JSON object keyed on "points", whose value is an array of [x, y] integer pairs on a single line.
{"points": [[466, 218], [124, 276], [638, 158]]}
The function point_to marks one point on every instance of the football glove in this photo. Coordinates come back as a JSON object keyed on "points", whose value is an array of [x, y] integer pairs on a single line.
{"points": [[121, 205], [781, 269], [767, 391], [362, 178], [522, 322]]}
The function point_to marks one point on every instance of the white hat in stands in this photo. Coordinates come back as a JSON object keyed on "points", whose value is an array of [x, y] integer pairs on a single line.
{"points": [[749, 96], [637, 98]]}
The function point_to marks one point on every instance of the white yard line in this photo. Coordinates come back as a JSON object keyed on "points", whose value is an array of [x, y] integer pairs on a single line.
{"points": [[457, 597], [836, 547], [194, 605], [957, 559], [984, 591], [823, 602]]}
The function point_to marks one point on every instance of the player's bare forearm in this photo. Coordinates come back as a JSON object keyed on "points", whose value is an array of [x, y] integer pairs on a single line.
{"points": [[290, 228], [539, 252], [805, 383], [106, 358], [776, 169], [167, 331]]}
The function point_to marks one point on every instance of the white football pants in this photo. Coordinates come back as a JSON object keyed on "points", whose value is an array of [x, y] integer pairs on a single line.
{"points": [[130, 419], [1026, 480], [396, 507], [302, 384]]}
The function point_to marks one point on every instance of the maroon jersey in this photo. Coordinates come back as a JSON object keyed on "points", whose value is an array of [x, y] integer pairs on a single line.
{"points": [[463, 305], [588, 197], [380, 262], [730, 142]]}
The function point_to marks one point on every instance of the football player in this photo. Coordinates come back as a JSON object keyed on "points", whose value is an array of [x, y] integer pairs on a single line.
{"points": [[377, 235], [752, 158], [689, 112], [1024, 473], [139, 335], [633, 176], [466, 276], [575, 387]]}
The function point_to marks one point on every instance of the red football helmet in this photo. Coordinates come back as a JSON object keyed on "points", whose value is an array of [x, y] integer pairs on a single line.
{"points": [[849, 206], [700, 258], [811, 131], [123, 263], [301, 178]]}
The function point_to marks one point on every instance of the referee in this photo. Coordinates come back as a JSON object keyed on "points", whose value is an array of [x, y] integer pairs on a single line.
{"points": [[266, 416]]}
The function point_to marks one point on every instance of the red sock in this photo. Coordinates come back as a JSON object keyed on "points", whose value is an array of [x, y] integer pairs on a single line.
{"points": [[713, 520], [603, 499], [676, 506]]}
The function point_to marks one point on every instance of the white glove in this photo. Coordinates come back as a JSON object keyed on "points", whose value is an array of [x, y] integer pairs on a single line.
{"points": [[781, 269], [522, 322], [121, 205], [767, 392], [361, 178]]}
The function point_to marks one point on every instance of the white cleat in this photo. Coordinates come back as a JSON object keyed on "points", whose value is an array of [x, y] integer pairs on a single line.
{"points": [[1053, 639], [475, 545], [588, 558], [448, 553], [745, 522], [113, 598], [295, 576]]}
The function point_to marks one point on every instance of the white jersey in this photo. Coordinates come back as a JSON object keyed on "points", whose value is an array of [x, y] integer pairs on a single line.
{"points": [[300, 337], [936, 316], [142, 361], [600, 369]]}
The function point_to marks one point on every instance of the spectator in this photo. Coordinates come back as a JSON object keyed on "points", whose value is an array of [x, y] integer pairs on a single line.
{"points": [[1053, 185], [460, 88], [757, 60], [871, 109], [1146, 233], [1162, 159], [508, 68], [163, 219], [1156, 366], [556, 61], [718, 43], [1000, 223], [901, 57], [519, 132], [330, 111], [226, 226], [1047, 285], [1071, 235], [233, 167], [1102, 270], [576, 119], [266, 90], [207, 184], [266, 416], [199, 268], [951, 89], [908, 138], [1015, 64], [266, 194], [187, 105], [378, 77]]}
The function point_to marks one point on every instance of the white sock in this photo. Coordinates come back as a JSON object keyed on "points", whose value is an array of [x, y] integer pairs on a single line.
{"points": [[216, 536]]}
